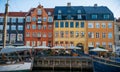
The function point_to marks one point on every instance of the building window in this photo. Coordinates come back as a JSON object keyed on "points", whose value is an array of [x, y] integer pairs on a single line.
{"points": [[27, 34], [110, 45], [90, 25], [103, 25], [71, 25], [28, 19], [104, 44], [49, 34], [66, 34], [44, 27], [103, 35], [38, 43], [45, 19], [20, 37], [82, 34], [97, 25], [50, 19], [13, 27], [27, 43], [1, 27], [97, 44], [79, 11], [49, 26], [1, 19], [62, 24], [77, 34], [28, 26], [106, 16], [34, 34], [8, 19], [69, 17], [59, 17], [7, 38], [77, 25], [56, 24], [20, 27], [79, 17], [20, 20], [56, 34], [44, 35], [119, 37], [44, 43], [59, 11], [109, 25], [34, 26], [94, 16], [71, 34], [82, 24], [110, 35], [61, 34], [39, 20], [12, 38], [39, 27], [33, 43], [0, 36], [34, 19], [39, 12], [66, 24], [90, 35], [13, 20], [8, 27], [97, 35], [39, 34], [49, 13], [118, 28]]}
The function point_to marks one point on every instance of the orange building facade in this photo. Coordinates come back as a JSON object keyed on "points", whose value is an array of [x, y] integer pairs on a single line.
{"points": [[39, 27]]}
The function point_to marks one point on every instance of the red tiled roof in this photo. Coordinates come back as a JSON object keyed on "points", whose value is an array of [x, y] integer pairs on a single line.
{"points": [[118, 20], [31, 10], [15, 14]]}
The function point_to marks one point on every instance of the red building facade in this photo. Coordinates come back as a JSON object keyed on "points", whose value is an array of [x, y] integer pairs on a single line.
{"points": [[39, 27]]}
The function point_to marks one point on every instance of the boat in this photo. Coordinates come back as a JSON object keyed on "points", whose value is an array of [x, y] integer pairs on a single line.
{"points": [[15, 60], [105, 65]]}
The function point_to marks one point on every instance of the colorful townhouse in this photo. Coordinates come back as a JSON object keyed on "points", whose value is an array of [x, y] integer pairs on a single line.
{"points": [[39, 27], [15, 28], [83, 26]]}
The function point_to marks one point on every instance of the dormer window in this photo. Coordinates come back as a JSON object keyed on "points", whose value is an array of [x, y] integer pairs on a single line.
{"points": [[79, 17], [59, 11], [69, 17], [79, 11], [106, 16], [59, 17], [39, 12], [94, 16], [49, 13]]}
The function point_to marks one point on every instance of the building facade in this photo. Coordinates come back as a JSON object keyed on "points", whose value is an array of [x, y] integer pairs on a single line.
{"points": [[39, 27], [117, 32], [15, 28], [84, 26]]}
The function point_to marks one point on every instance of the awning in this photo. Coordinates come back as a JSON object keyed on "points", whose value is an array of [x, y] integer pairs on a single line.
{"points": [[58, 47], [42, 47], [99, 50]]}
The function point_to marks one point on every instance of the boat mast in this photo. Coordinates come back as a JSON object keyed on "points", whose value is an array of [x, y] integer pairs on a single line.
{"points": [[5, 24]]}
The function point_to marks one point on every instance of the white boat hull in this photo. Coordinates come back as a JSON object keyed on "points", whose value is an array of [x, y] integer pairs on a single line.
{"points": [[26, 66]]}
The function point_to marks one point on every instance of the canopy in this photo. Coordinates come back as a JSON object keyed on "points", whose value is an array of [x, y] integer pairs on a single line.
{"points": [[73, 47], [42, 47], [58, 47], [15, 49], [99, 50]]}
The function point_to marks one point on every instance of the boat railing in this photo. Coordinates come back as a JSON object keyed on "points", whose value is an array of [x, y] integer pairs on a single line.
{"points": [[106, 60]]}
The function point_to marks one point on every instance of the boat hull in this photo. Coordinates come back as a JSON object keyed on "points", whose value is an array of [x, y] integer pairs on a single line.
{"points": [[104, 67], [21, 67]]}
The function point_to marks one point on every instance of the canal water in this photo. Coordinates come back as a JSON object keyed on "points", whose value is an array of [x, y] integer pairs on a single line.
{"points": [[59, 71]]}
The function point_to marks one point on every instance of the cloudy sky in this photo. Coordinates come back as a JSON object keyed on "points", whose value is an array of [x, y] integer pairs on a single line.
{"points": [[25, 5]]}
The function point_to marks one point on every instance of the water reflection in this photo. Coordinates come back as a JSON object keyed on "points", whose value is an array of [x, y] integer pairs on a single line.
{"points": [[57, 71]]}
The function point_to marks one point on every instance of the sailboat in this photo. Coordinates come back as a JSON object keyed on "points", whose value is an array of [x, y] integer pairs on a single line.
{"points": [[12, 59]]}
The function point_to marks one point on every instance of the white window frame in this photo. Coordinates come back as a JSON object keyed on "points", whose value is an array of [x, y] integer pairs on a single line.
{"points": [[90, 25]]}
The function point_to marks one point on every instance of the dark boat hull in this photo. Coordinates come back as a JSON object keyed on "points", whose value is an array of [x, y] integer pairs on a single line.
{"points": [[104, 67]]}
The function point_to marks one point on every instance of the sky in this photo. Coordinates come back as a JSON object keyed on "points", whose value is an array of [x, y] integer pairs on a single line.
{"points": [[25, 5]]}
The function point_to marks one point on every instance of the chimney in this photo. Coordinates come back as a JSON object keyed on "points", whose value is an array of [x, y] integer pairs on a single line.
{"points": [[95, 5], [69, 4]]}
